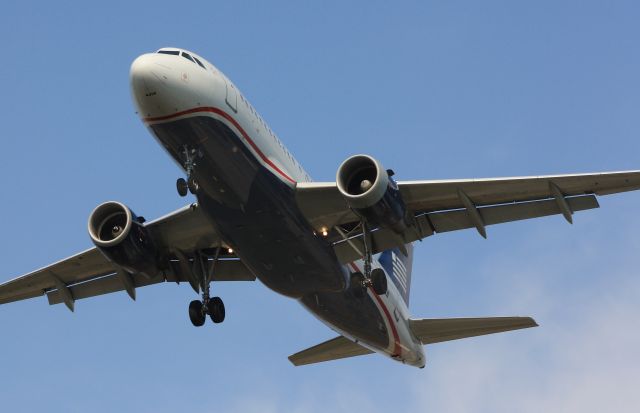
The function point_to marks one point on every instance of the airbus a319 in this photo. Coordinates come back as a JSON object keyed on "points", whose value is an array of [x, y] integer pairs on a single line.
{"points": [[343, 249]]}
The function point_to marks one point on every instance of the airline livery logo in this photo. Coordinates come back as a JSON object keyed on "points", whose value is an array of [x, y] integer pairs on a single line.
{"points": [[398, 268]]}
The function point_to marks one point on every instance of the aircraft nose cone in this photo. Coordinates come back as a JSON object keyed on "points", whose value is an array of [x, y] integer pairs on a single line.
{"points": [[164, 84], [150, 80], [144, 76]]}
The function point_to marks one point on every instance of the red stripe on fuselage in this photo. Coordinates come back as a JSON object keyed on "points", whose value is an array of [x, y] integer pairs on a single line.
{"points": [[234, 123], [397, 348]]}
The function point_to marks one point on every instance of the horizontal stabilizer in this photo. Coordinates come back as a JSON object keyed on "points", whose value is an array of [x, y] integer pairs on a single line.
{"points": [[436, 330], [337, 348]]}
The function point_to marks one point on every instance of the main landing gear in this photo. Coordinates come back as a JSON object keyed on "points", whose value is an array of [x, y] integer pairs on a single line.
{"points": [[212, 306], [198, 311], [189, 185], [374, 278]]}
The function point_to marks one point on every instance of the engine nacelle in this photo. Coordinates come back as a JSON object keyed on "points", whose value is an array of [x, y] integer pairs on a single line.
{"points": [[121, 237], [371, 192]]}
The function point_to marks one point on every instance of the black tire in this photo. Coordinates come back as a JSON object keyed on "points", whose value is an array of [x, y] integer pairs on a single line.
{"points": [[379, 281], [216, 310], [356, 286], [192, 185], [182, 187], [196, 315]]}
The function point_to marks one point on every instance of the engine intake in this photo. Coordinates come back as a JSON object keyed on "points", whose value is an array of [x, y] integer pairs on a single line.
{"points": [[371, 192], [121, 237]]}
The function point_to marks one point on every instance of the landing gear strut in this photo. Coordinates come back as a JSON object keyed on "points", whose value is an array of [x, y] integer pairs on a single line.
{"points": [[212, 306], [375, 278], [190, 183]]}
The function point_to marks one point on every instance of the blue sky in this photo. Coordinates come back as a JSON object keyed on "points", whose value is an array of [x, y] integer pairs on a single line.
{"points": [[434, 90]]}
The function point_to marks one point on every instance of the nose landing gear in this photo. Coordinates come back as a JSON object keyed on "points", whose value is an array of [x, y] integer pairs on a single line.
{"points": [[181, 186], [190, 183], [185, 186], [212, 306]]}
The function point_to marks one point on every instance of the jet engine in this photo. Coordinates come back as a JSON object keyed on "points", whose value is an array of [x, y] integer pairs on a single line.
{"points": [[371, 192], [120, 236]]}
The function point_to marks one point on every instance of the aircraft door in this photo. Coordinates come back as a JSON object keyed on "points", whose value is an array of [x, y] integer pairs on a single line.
{"points": [[232, 96]]}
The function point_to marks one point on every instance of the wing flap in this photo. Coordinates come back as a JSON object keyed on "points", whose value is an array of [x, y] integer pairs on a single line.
{"points": [[455, 220], [426, 224], [11, 298], [225, 270], [437, 330], [334, 349], [103, 285]]}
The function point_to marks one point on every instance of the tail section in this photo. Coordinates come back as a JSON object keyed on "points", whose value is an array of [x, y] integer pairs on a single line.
{"points": [[437, 330], [398, 263]]}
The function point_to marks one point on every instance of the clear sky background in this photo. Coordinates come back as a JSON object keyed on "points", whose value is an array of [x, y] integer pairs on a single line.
{"points": [[435, 90]]}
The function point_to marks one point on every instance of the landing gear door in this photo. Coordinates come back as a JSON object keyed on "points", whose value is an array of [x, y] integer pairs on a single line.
{"points": [[232, 96]]}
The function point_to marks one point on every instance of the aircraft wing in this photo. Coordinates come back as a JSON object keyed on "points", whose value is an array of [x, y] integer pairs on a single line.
{"points": [[450, 205], [89, 273]]}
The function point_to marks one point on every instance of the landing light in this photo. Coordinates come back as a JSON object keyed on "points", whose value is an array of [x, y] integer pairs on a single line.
{"points": [[230, 250], [324, 231]]}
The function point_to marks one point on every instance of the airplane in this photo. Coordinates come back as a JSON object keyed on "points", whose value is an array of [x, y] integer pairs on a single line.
{"points": [[344, 250]]}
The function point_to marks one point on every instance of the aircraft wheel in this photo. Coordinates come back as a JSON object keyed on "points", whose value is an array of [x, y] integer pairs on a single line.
{"points": [[356, 286], [195, 313], [192, 185], [216, 310], [379, 281], [182, 187]]}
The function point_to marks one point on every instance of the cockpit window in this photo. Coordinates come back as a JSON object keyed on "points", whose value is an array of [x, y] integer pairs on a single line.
{"points": [[198, 62], [187, 56]]}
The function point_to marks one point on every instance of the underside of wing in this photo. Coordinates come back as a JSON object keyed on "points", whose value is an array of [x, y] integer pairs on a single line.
{"points": [[350, 247], [445, 194], [183, 236], [79, 268], [334, 349], [450, 205]]}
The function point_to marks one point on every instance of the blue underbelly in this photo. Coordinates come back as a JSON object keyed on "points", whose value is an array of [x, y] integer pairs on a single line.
{"points": [[255, 212]]}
